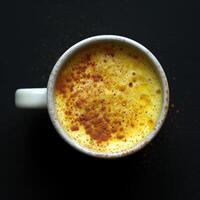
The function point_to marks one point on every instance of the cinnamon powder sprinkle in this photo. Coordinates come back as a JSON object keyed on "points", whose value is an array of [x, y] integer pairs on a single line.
{"points": [[96, 103], [74, 128], [96, 77]]}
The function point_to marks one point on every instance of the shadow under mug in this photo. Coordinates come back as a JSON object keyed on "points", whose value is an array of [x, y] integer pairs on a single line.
{"points": [[44, 97]]}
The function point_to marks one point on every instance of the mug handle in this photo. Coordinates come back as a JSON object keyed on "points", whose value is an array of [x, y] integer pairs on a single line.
{"points": [[31, 98]]}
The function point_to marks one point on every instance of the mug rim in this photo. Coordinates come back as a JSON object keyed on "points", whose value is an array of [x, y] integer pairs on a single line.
{"points": [[50, 95]]}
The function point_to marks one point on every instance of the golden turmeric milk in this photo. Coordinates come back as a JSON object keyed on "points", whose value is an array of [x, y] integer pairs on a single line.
{"points": [[108, 97]]}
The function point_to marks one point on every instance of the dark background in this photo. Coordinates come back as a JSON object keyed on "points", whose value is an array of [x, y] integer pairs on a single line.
{"points": [[36, 163]]}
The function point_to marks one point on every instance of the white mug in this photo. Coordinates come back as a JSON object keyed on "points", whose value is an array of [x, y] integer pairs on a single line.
{"points": [[44, 97]]}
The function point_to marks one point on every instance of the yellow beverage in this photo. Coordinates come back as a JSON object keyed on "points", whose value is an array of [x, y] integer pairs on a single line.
{"points": [[108, 97]]}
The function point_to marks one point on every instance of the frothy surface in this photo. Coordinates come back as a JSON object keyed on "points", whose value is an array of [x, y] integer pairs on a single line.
{"points": [[108, 97]]}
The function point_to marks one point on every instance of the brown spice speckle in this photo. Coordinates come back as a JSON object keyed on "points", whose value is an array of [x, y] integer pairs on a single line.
{"points": [[74, 128], [120, 136], [96, 77]]}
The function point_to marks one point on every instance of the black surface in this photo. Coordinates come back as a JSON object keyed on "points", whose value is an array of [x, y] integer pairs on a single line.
{"points": [[36, 163]]}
